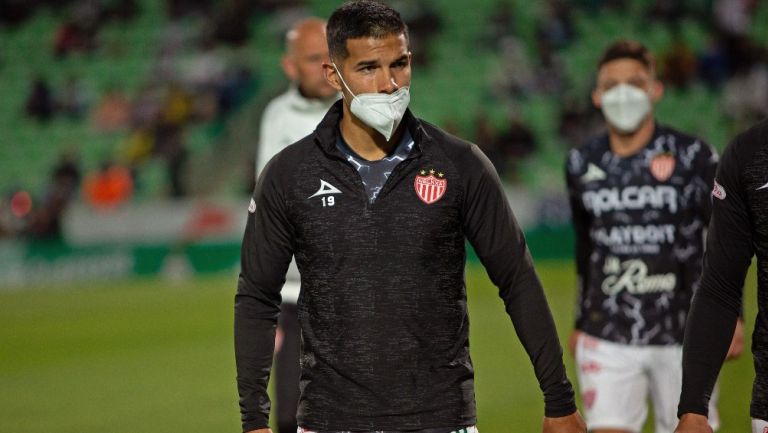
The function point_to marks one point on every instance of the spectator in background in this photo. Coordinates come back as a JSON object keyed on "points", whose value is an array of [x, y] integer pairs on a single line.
{"points": [[712, 62], [78, 33], [504, 146], [113, 112], [44, 222], [487, 140], [669, 11], [515, 75], [159, 119], [593, 6], [516, 140], [169, 141], [734, 17], [108, 187], [40, 104], [122, 10], [72, 100], [66, 172], [678, 63], [745, 95], [15, 12], [231, 25], [238, 84], [555, 28], [286, 119], [500, 23], [171, 147], [181, 8], [550, 70], [733, 20]]}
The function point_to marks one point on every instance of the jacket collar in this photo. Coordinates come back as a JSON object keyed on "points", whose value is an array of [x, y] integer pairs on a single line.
{"points": [[327, 131]]}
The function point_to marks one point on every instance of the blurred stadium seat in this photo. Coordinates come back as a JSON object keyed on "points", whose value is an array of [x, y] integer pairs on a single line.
{"points": [[484, 64], [453, 85]]}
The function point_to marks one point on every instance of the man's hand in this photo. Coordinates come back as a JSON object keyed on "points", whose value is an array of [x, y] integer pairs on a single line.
{"points": [[737, 343], [693, 423], [573, 341], [279, 338], [565, 424]]}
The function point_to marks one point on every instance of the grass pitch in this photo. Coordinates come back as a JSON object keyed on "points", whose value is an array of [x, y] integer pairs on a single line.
{"points": [[153, 356]]}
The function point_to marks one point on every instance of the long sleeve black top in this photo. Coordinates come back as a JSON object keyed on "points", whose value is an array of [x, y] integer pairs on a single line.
{"points": [[737, 231], [382, 308]]}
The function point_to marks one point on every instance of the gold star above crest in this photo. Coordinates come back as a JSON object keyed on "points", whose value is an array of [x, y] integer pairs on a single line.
{"points": [[431, 171], [440, 174], [423, 172]]}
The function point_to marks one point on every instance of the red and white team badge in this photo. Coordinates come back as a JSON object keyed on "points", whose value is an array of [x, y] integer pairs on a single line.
{"points": [[662, 166], [718, 191], [428, 187]]}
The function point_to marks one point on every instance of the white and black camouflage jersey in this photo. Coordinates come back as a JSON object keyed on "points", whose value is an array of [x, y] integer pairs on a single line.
{"points": [[639, 224]]}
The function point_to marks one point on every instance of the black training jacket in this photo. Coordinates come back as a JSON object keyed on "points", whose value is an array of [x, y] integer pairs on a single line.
{"points": [[383, 306], [737, 232]]}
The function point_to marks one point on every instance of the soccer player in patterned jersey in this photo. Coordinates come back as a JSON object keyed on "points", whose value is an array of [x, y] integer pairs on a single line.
{"points": [[376, 206], [737, 232], [639, 196]]}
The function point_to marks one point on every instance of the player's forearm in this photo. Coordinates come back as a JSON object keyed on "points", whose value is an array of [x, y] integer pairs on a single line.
{"points": [[708, 335], [254, 346], [499, 242], [535, 327]]}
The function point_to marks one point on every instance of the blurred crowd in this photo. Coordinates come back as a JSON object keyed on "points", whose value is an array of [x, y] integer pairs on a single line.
{"points": [[195, 79], [732, 64]]}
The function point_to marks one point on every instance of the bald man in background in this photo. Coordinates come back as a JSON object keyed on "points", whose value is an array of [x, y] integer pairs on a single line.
{"points": [[287, 119], [295, 113]]}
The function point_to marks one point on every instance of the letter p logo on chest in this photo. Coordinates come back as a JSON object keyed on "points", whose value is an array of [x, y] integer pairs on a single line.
{"points": [[325, 189]]}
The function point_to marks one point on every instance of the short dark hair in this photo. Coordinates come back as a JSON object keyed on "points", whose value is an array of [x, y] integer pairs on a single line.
{"points": [[628, 49], [361, 19]]}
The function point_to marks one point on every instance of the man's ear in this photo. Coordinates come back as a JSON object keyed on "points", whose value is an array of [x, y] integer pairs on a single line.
{"points": [[597, 98], [290, 69], [657, 91], [332, 76]]}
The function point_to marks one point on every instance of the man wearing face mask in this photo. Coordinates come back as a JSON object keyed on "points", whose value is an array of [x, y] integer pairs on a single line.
{"points": [[376, 206], [639, 197], [286, 119]]}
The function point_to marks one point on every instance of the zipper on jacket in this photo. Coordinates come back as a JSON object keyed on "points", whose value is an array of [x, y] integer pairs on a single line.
{"points": [[393, 177], [367, 208]]}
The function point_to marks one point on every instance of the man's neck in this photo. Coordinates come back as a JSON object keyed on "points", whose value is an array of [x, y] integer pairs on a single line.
{"points": [[309, 97], [365, 141], [624, 145]]}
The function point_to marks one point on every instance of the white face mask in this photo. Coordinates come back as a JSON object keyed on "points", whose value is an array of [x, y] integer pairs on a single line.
{"points": [[625, 107], [382, 112]]}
